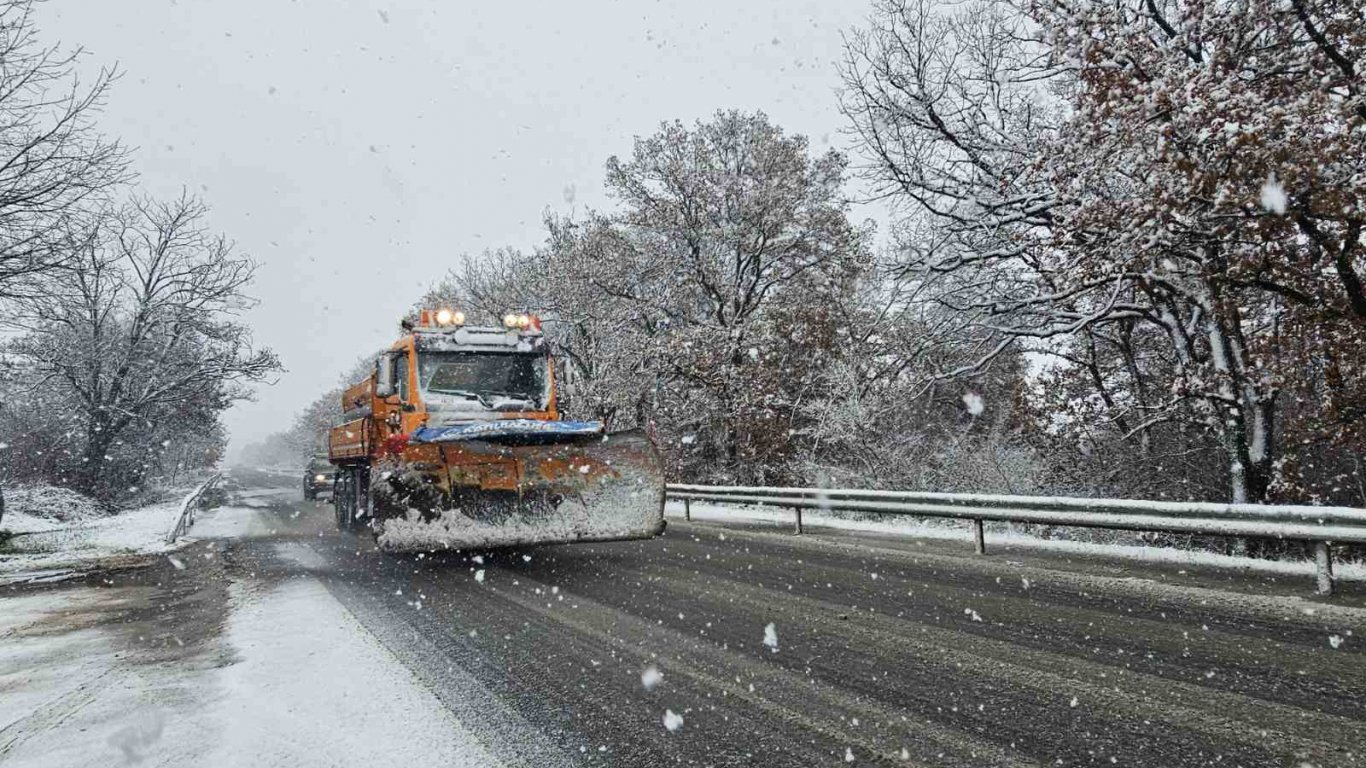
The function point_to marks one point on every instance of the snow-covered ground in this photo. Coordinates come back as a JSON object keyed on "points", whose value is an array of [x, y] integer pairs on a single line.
{"points": [[50, 547], [309, 684], [293, 678], [702, 511], [290, 679]]}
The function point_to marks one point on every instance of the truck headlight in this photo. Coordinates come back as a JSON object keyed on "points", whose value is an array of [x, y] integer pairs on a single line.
{"points": [[319, 478]]}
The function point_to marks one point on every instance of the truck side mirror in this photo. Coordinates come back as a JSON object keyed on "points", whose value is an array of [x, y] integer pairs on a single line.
{"points": [[384, 375]]}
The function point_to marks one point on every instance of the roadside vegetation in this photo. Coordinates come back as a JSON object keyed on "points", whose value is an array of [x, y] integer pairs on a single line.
{"points": [[119, 343], [1127, 261]]}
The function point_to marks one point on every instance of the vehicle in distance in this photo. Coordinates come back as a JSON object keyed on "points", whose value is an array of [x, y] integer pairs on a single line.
{"points": [[317, 476], [456, 440]]}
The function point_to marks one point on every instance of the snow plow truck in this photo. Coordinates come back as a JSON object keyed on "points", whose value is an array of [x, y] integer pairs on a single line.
{"points": [[456, 441]]}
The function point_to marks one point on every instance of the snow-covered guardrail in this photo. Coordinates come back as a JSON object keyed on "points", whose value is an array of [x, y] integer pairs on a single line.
{"points": [[1321, 526], [187, 509]]}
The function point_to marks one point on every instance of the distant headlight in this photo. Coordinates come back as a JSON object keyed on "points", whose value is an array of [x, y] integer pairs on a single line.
{"points": [[319, 478]]}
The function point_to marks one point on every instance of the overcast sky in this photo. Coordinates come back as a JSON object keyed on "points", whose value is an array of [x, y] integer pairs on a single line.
{"points": [[357, 149]]}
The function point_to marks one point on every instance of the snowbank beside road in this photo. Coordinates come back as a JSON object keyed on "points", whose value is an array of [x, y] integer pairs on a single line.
{"points": [[719, 513], [44, 545], [50, 503]]}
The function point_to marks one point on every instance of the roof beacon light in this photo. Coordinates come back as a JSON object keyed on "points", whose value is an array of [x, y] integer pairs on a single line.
{"points": [[522, 321], [440, 318]]}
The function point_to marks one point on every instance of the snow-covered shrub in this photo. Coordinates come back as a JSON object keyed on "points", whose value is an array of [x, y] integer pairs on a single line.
{"points": [[50, 502]]}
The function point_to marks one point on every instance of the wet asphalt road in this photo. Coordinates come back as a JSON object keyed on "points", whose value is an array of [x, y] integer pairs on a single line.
{"points": [[888, 652]]}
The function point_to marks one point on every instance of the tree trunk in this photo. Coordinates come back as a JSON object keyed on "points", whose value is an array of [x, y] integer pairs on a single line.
{"points": [[99, 439]]}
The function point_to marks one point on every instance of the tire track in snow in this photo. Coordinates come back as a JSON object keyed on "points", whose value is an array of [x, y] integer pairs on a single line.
{"points": [[777, 692], [1049, 678]]}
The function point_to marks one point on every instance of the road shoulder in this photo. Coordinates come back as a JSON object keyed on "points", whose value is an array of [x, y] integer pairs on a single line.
{"points": [[194, 660]]}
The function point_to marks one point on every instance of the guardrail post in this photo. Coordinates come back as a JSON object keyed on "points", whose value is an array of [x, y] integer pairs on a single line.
{"points": [[1323, 568], [799, 520], [687, 510], [979, 537]]}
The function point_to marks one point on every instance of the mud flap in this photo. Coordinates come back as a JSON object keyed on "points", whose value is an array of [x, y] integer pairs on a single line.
{"points": [[542, 489]]}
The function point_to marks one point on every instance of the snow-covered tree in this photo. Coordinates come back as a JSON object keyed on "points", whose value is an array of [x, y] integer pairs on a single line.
{"points": [[54, 165], [735, 244], [1166, 196], [705, 305], [141, 336]]}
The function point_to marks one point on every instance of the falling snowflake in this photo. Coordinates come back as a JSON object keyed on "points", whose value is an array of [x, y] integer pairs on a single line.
{"points": [[479, 575], [650, 677], [771, 637], [1074, 702], [1335, 640], [848, 755], [672, 721], [1273, 195], [974, 403]]}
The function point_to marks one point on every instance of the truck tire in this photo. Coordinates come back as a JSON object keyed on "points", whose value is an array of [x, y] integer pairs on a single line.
{"points": [[351, 498], [360, 499], [341, 499]]}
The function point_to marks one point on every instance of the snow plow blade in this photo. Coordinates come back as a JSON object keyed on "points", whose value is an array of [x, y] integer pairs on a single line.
{"points": [[506, 484]]}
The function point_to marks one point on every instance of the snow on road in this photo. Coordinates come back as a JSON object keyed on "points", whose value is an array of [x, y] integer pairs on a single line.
{"points": [[293, 681], [229, 523], [209, 670], [312, 687], [74, 697]]}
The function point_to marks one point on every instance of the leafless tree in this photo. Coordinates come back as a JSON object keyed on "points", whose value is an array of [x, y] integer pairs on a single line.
{"points": [[144, 328], [54, 165]]}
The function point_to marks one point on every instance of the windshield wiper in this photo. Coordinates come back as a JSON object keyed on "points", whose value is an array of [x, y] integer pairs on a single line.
{"points": [[518, 396], [465, 394]]}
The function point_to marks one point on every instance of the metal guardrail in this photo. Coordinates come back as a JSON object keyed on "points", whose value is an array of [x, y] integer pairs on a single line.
{"points": [[1320, 526], [187, 509]]}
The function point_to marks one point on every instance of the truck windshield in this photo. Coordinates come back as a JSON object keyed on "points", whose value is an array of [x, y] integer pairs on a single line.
{"points": [[488, 378]]}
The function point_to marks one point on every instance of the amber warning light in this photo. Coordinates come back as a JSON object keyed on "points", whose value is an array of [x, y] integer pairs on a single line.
{"points": [[521, 321], [442, 318]]}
